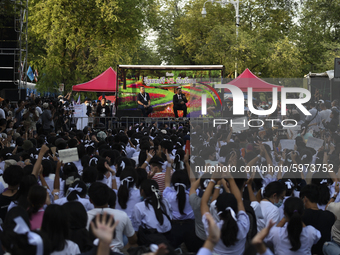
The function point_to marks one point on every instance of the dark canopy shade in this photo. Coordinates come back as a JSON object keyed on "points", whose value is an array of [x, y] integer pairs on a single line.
{"points": [[248, 79], [106, 82]]}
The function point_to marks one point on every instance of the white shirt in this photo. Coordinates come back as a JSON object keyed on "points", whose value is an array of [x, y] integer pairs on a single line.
{"points": [[134, 198], [2, 114], [79, 167], [146, 215], [70, 248], [85, 202], [124, 226], [279, 238], [316, 120], [170, 194], [269, 212], [243, 224], [325, 115]]}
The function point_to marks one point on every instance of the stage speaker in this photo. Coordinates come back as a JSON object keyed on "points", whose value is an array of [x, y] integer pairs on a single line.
{"points": [[13, 94]]}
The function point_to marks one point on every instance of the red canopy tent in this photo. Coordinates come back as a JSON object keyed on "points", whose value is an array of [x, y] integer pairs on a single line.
{"points": [[105, 82], [248, 79]]}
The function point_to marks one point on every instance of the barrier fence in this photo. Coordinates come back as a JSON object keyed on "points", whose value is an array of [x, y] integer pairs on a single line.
{"points": [[126, 121]]}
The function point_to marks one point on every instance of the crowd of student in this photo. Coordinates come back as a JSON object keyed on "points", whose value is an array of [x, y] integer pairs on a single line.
{"points": [[134, 190]]}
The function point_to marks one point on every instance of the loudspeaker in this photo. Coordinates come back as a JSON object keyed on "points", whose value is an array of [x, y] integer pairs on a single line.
{"points": [[13, 94]]}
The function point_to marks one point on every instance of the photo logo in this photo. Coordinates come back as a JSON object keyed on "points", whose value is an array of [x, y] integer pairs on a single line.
{"points": [[238, 100]]}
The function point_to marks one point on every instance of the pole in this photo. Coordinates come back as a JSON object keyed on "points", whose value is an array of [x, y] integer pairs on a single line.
{"points": [[236, 5]]}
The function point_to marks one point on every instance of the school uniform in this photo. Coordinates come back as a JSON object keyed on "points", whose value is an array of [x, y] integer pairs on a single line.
{"points": [[124, 226], [278, 236], [70, 248], [85, 202], [243, 224], [183, 225], [269, 212], [134, 198], [170, 194], [145, 215]]}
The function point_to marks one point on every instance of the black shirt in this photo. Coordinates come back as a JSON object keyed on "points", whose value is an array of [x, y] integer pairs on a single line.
{"points": [[143, 98], [322, 221], [103, 110]]}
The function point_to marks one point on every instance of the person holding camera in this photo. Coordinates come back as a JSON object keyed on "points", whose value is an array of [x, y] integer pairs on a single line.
{"points": [[179, 101]]}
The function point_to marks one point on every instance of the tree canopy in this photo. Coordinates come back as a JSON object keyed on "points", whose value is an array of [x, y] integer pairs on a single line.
{"points": [[73, 41]]}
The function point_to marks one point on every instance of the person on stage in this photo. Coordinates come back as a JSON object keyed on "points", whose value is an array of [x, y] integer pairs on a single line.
{"points": [[179, 101], [143, 100]]}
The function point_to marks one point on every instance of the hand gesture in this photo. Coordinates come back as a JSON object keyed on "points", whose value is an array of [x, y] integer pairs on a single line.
{"points": [[293, 155], [168, 157], [336, 187], [259, 237], [150, 154], [233, 160], [186, 157], [103, 228], [44, 149], [213, 229]]}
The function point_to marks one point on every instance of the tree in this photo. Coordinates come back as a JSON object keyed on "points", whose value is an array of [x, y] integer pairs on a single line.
{"points": [[75, 41]]}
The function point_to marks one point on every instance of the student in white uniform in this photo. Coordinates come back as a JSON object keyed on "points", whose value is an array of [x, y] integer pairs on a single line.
{"points": [[153, 213], [128, 195], [273, 196], [99, 195], [76, 192], [183, 223], [56, 227], [234, 222], [292, 236]]}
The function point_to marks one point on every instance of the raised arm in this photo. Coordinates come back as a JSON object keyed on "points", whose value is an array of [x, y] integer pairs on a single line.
{"points": [[168, 170], [37, 164], [206, 196]]}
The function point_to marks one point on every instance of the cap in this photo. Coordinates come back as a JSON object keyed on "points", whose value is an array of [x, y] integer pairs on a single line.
{"points": [[179, 87], [45, 105]]}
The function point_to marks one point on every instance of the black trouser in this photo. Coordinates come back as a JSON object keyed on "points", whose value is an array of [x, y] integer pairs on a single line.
{"points": [[180, 107], [145, 111], [183, 231]]}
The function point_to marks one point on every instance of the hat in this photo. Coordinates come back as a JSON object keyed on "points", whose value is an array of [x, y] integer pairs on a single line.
{"points": [[179, 87], [164, 131], [27, 145], [45, 105], [1, 99], [101, 136]]}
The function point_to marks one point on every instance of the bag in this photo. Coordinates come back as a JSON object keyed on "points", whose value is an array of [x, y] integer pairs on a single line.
{"points": [[307, 122], [147, 236]]}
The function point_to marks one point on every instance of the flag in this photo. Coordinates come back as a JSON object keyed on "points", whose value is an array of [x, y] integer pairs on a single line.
{"points": [[30, 73], [78, 101], [36, 75]]}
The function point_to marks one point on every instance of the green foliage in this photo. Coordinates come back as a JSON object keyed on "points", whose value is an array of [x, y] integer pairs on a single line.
{"points": [[74, 41]]}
